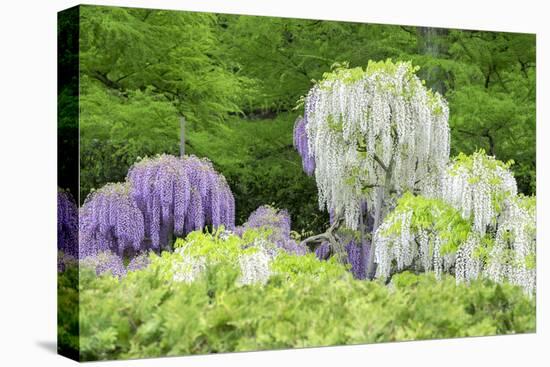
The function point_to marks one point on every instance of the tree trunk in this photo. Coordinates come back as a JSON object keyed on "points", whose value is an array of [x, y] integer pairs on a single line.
{"points": [[362, 246], [371, 266], [429, 43], [379, 213]]}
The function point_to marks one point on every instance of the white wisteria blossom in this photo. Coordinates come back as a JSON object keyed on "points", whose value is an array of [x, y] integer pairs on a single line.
{"points": [[188, 269], [513, 255], [479, 186], [255, 267], [420, 234], [470, 222], [468, 266], [373, 128]]}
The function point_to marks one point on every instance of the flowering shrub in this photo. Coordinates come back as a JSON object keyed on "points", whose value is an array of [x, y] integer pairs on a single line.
{"points": [[372, 135], [110, 221], [277, 224], [149, 317], [105, 262], [373, 127], [163, 196], [472, 224], [179, 195]]}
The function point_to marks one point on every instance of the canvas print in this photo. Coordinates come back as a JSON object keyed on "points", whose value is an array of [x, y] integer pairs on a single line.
{"points": [[233, 183]]}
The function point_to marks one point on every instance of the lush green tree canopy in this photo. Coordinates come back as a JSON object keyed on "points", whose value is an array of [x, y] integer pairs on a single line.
{"points": [[142, 69]]}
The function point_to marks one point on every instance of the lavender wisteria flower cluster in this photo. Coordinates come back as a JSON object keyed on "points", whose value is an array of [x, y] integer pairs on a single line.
{"points": [[356, 252], [302, 146], [278, 222], [67, 223], [110, 220], [105, 262], [138, 262], [180, 195], [163, 196]]}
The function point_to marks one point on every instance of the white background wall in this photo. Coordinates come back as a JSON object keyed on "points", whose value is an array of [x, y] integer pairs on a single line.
{"points": [[28, 181]]}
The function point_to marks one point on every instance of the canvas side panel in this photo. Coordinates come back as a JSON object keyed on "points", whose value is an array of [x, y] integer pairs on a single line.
{"points": [[68, 183]]}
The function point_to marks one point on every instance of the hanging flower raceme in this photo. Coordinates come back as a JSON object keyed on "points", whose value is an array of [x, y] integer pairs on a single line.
{"points": [[356, 255], [420, 233], [180, 195], [356, 259], [513, 256], [301, 144], [217, 205], [378, 127], [479, 186], [67, 224], [110, 220]]}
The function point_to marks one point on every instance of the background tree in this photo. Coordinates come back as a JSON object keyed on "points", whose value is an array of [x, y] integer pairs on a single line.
{"points": [[237, 78]]}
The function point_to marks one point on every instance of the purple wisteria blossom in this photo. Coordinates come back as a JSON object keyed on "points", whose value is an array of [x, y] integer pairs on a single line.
{"points": [[67, 223], [110, 220], [139, 262], [65, 261], [293, 247], [357, 262], [353, 249], [179, 195], [105, 262], [322, 251], [278, 221], [301, 145]]}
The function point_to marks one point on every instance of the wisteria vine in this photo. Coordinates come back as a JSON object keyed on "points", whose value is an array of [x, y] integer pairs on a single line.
{"points": [[110, 220], [179, 195], [364, 129]]}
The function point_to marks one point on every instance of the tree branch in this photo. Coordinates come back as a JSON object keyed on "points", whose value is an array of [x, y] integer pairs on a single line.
{"points": [[102, 77], [379, 161], [335, 247]]}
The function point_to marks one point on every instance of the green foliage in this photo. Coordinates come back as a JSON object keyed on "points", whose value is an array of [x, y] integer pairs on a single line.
{"points": [[432, 216], [140, 71], [68, 312], [290, 267], [489, 79], [143, 316], [178, 55], [111, 137], [305, 303], [212, 67], [216, 248], [262, 167]]}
